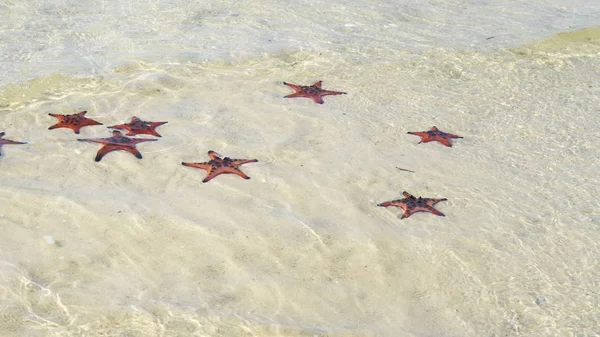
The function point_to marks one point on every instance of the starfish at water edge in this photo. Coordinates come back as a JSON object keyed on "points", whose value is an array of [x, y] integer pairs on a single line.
{"points": [[6, 141], [117, 142], [218, 165], [435, 135], [139, 127], [73, 122], [411, 205], [313, 91]]}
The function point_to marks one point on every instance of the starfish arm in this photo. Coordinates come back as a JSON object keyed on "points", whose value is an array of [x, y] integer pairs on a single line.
{"points": [[95, 140], [449, 135], [56, 115], [75, 128], [203, 166], [119, 126], [234, 171], [296, 94], [89, 122], [432, 202], [82, 113], [238, 162], [408, 212], [318, 84], [434, 211], [132, 150], [62, 124], [213, 172], [104, 150], [395, 203], [443, 141], [423, 135], [317, 98], [213, 155], [329, 92], [9, 142], [155, 124], [408, 195], [140, 140], [293, 86]]}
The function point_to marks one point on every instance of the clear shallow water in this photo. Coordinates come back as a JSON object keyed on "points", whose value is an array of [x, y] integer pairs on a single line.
{"points": [[143, 248]]}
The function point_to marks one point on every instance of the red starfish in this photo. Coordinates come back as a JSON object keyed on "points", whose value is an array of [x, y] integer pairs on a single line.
{"points": [[411, 205], [6, 141], [139, 127], [435, 135], [117, 142], [73, 122], [314, 91], [216, 166]]}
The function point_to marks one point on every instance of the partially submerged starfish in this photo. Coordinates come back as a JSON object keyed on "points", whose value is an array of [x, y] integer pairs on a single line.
{"points": [[139, 127], [313, 91], [73, 122], [218, 165], [411, 205], [435, 135], [117, 142], [7, 142]]}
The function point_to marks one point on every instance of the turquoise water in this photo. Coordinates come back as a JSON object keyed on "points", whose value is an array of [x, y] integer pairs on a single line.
{"points": [[129, 247]]}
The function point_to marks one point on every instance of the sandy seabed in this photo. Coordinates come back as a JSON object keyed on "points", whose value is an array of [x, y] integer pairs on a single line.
{"points": [[129, 247]]}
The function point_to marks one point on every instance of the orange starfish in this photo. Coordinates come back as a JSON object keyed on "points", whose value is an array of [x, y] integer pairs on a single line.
{"points": [[117, 142], [314, 91], [216, 166], [411, 205], [435, 135], [73, 122], [6, 141], [139, 127]]}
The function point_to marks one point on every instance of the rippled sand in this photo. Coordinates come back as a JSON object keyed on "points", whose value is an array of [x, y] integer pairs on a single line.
{"points": [[144, 248]]}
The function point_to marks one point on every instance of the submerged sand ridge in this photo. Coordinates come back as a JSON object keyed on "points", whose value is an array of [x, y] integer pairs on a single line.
{"points": [[577, 43], [142, 247]]}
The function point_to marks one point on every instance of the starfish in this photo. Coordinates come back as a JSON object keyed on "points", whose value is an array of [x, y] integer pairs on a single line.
{"points": [[314, 91], [6, 141], [73, 122], [139, 127], [411, 205], [117, 142], [435, 135], [216, 166]]}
